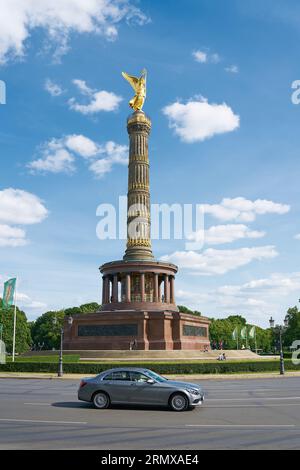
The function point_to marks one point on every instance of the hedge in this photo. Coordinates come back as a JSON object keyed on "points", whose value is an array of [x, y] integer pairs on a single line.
{"points": [[161, 368]]}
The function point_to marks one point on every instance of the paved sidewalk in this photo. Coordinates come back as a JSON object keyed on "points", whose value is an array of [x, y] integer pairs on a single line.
{"points": [[187, 377]]}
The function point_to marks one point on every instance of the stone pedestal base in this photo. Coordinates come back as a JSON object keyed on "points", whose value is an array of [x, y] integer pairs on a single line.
{"points": [[159, 330]]}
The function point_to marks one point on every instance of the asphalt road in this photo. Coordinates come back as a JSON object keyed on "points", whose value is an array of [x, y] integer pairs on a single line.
{"points": [[237, 414]]}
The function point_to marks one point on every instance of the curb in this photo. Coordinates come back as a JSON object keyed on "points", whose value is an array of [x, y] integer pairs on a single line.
{"points": [[270, 375]]}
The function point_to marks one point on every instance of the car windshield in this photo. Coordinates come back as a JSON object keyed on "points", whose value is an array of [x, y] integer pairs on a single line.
{"points": [[155, 376]]}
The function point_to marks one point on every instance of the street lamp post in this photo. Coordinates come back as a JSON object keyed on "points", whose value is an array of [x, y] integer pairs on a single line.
{"points": [[60, 372], [281, 330]]}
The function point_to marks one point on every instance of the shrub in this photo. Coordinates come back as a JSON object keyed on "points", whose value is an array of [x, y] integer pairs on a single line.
{"points": [[161, 368]]}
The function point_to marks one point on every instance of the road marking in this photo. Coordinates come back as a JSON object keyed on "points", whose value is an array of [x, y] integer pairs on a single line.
{"points": [[235, 390], [252, 406], [241, 425], [252, 399], [40, 421]]}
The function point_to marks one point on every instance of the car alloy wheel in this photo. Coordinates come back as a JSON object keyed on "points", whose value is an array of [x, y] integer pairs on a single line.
{"points": [[179, 402], [101, 400]]}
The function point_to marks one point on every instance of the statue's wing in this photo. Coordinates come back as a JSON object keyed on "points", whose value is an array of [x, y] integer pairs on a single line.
{"points": [[132, 80]]}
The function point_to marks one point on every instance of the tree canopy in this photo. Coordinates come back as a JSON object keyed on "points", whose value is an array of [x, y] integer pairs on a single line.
{"points": [[222, 330], [23, 336], [184, 309], [292, 332], [46, 329], [85, 308]]}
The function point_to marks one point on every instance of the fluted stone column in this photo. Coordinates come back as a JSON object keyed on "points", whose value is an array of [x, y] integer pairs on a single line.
{"points": [[156, 290], [138, 197], [159, 289], [128, 288], [166, 289], [115, 288], [172, 290], [142, 287], [103, 290], [106, 290]]}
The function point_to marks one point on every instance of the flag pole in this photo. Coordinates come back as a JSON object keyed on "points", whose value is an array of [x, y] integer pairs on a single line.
{"points": [[15, 322], [237, 338]]}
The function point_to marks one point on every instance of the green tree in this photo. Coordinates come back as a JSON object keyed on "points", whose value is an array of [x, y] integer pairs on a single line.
{"points": [[292, 332], [23, 336], [264, 339], [222, 329], [46, 330], [83, 309], [184, 309]]}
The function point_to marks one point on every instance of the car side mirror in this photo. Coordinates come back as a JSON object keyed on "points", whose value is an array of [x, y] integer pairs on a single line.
{"points": [[150, 381]]}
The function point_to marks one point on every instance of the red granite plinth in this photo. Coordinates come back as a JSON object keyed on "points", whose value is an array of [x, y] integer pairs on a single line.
{"points": [[158, 330]]}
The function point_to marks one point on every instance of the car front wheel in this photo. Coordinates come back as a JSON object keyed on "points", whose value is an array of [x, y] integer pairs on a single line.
{"points": [[101, 400], [179, 402]]}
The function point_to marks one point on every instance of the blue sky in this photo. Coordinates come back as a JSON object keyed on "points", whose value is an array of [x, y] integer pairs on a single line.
{"points": [[224, 134]]}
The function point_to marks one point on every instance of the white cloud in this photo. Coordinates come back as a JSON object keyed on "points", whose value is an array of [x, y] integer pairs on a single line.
{"points": [[59, 19], [261, 297], [82, 87], [113, 153], [117, 153], [257, 299], [198, 120], [212, 261], [204, 57], [101, 167], [53, 88], [55, 159], [244, 210], [81, 145], [220, 234], [200, 56], [12, 236], [297, 237], [278, 283], [188, 297], [59, 155], [99, 100], [24, 302], [232, 69], [20, 207]]}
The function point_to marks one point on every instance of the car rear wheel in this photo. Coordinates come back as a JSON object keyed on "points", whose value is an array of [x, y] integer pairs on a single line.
{"points": [[101, 400], [178, 402]]}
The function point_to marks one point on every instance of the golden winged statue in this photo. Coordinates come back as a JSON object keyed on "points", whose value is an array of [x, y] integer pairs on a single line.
{"points": [[139, 86]]}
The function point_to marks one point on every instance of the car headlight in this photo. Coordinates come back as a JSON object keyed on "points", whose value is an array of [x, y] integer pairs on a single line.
{"points": [[193, 391]]}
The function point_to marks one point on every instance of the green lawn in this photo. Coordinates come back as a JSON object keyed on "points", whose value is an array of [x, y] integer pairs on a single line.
{"points": [[49, 359], [75, 359]]}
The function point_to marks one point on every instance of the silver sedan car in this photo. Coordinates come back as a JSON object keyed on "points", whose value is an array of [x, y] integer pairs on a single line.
{"points": [[135, 386]]}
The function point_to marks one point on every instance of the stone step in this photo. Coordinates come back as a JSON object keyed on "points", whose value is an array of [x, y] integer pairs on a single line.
{"points": [[126, 355]]}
